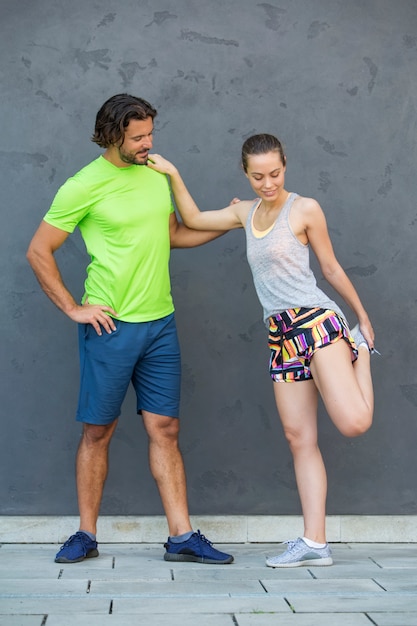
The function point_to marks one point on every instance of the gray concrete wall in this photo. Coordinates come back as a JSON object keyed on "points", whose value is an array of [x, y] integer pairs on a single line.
{"points": [[336, 81]]}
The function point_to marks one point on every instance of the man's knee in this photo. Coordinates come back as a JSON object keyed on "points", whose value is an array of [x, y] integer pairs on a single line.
{"points": [[98, 434], [161, 427]]}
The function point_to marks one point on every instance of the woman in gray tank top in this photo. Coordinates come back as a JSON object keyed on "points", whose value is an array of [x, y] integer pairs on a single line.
{"points": [[313, 352]]}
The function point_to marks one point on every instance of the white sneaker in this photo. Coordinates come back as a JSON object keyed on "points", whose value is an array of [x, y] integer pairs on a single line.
{"points": [[299, 553]]}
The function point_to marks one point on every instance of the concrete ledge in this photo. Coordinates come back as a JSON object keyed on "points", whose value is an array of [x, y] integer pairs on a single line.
{"points": [[219, 528]]}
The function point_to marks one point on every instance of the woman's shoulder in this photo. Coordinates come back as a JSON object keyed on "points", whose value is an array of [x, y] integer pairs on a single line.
{"points": [[305, 213], [247, 204], [306, 205], [242, 208]]}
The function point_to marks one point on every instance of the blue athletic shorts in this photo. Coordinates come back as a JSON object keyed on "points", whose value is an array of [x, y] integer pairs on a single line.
{"points": [[146, 354]]}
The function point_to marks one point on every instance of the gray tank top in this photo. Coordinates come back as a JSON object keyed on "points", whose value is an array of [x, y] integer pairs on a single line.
{"points": [[280, 266]]}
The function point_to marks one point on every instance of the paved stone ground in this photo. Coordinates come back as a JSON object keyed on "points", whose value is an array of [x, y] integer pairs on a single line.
{"points": [[130, 584]]}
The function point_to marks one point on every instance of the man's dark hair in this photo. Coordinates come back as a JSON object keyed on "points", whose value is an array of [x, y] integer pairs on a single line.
{"points": [[114, 116]]}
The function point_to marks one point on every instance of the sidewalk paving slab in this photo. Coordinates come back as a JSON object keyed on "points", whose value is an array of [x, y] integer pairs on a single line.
{"points": [[146, 620], [47, 606], [394, 619], [21, 620], [232, 605], [319, 619], [199, 589], [353, 603], [17, 588], [321, 587]]}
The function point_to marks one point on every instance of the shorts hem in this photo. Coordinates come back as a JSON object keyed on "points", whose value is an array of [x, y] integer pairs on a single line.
{"points": [[89, 420], [171, 414]]}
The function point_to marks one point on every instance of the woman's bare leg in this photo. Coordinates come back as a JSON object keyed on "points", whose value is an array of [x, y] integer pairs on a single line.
{"points": [[347, 393], [297, 407], [346, 388]]}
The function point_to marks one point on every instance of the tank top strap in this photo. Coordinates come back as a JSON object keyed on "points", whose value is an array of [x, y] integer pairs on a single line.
{"points": [[288, 204], [251, 212]]}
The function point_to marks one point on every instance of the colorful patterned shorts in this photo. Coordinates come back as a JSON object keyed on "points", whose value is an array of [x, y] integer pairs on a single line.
{"points": [[295, 335]]}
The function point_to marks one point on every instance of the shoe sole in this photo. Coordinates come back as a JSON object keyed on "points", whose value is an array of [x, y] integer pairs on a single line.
{"points": [[91, 554], [311, 562], [169, 556]]}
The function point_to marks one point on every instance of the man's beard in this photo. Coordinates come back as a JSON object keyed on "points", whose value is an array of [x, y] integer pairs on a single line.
{"points": [[131, 158]]}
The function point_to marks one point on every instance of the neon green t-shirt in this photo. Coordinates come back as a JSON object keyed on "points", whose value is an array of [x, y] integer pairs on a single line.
{"points": [[123, 215]]}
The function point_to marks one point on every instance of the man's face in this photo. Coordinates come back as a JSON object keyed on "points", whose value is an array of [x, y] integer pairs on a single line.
{"points": [[137, 142]]}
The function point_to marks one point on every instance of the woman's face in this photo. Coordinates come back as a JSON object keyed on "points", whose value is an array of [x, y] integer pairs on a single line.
{"points": [[266, 174]]}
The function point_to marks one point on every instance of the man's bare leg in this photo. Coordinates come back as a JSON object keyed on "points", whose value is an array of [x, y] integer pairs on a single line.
{"points": [[167, 468], [92, 468]]}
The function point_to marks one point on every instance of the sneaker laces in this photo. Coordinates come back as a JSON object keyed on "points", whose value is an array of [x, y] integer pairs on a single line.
{"points": [[77, 538], [291, 543], [203, 539]]}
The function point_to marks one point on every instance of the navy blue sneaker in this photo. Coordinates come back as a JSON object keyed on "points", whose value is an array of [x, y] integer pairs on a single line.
{"points": [[77, 548], [197, 549]]}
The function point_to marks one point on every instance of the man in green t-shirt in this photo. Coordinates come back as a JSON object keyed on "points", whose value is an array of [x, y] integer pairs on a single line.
{"points": [[126, 321]]}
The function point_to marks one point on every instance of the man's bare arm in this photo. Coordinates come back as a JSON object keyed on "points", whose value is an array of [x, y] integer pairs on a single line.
{"points": [[40, 255]]}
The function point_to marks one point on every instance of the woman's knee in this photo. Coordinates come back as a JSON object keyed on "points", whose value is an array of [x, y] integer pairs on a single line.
{"points": [[356, 424], [299, 439]]}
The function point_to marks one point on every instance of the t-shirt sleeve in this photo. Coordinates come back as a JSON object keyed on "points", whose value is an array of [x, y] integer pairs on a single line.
{"points": [[70, 205]]}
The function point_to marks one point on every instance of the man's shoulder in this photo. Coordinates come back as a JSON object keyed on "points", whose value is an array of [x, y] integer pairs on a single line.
{"points": [[90, 169], [77, 187]]}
